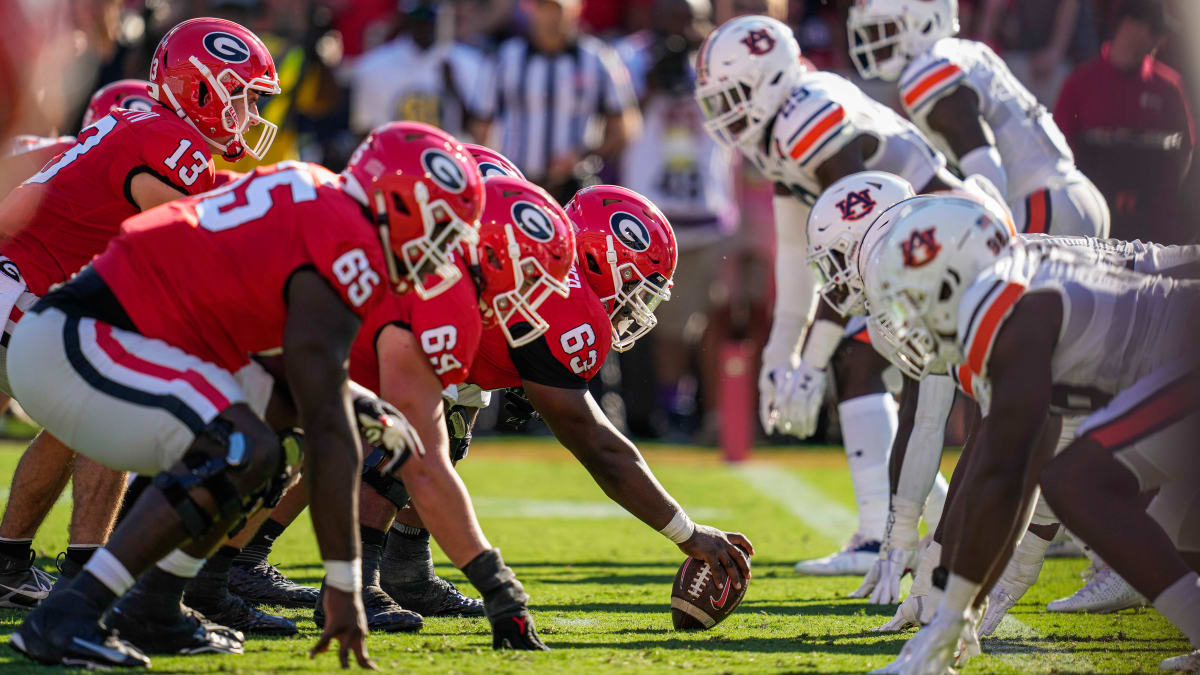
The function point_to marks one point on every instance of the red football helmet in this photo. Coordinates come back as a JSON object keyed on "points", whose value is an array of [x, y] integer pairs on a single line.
{"points": [[525, 251], [128, 94], [626, 250], [204, 70], [492, 163], [426, 194]]}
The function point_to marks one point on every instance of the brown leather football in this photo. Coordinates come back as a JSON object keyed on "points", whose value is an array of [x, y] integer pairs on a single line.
{"points": [[696, 602]]}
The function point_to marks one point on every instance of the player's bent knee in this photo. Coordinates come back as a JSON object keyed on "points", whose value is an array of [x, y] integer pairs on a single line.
{"points": [[230, 468], [387, 485]]}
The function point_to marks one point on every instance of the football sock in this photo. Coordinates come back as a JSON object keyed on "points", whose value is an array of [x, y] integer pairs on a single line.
{"points": [[373, 541], [259, 547], [16, 548], [80, 555], [108, 571], [213, 577], [1180, 604], [407, 555], [868, 428]]}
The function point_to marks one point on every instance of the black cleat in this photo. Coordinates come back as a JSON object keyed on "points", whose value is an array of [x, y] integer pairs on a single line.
{"points": [[148, 621], [435, 597], [22, 586], [383, 614], [56, 634], [227, 609], [265, 584]]}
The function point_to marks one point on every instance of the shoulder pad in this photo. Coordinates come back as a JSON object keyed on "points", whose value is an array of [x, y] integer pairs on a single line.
{"points": [[985, 306], [813, 115], [931, 75]]}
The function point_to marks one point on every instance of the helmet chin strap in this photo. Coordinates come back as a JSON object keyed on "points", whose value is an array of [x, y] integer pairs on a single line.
{"points": [[385, 237]]}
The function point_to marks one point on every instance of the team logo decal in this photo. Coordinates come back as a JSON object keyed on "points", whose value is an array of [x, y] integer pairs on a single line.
{"points": [[444, 170], [856, 204], [9, 268], [489, 169], [920, 249], [532, 221], [629, 230], [137, 103], [759, 41], [226, 46]]}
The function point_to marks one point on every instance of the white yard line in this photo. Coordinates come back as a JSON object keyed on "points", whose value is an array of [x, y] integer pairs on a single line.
{"points": [[801, 498], [508, 507]]}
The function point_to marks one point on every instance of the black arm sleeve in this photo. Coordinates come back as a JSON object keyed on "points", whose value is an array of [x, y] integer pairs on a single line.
{"points": [[536, 363]]}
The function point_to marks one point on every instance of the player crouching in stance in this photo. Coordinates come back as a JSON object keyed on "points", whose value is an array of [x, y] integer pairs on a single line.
{"points": [[1034, 333], [136, 364], [805, 129], [524, 251]]}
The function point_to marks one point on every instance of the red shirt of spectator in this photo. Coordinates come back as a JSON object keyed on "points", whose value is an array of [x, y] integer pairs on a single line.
{"points": [[1132, 134]]}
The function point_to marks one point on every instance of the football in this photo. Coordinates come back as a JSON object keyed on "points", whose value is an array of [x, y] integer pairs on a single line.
{"points": [[696, 602]]}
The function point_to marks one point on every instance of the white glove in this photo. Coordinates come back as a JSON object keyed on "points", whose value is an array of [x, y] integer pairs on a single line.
{"points": [[1020, 573], [932, 650], [898, 563], [798, 400], [383, 426], [770, 378]]}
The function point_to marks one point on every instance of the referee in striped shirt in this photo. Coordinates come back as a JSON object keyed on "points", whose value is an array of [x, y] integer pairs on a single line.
{"points": [[550, 93]]}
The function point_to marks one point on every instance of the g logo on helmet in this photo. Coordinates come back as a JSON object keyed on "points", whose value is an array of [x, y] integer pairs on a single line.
{"points": [[226, 46], [532, 221], [630, 231], [137, 103], [490, 169], [444, 171]]}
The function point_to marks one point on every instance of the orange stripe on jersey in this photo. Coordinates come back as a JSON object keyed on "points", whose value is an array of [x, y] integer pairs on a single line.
{"points": [[932, 80], [989, 324], [966, 380], [1037, 212], [806, 143], [1160, 409]]}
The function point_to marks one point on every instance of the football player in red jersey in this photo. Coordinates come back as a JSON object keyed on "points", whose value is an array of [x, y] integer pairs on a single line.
{"points": [[206, 75], [625, 257], [143, 363], [525, 251]]}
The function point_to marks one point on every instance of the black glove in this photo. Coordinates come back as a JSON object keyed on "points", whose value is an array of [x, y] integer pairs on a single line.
{"points": [[517, 632], [385, 427], [518, 411], [504, 601], [459, 431]]}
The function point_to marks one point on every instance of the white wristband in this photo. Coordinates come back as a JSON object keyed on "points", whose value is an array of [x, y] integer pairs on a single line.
{"points": [[824, 336], [344, 575], [680, 528]]}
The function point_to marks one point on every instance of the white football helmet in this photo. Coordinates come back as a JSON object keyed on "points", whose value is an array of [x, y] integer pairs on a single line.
{"points": [[935, 248], [838, 220], [886, 34], [744, 72]]}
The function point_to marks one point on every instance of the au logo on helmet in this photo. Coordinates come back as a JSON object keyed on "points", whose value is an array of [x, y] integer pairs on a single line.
{"points": [[444, 170], [226, 46], [532, 221], [921, 248], [759, 41], [856, 204], [631, 231]]}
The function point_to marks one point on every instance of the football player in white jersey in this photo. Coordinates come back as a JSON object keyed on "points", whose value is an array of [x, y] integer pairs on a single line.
{"points": [[967, 101], [1033, 333], [837, 244], [804, 129]]}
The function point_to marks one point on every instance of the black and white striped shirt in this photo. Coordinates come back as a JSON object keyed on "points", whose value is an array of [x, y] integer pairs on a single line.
{"points": [[546, 104]]}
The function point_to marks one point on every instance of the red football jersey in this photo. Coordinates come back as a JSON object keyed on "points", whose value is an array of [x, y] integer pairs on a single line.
{"points": [[28, 154], [567, 356], [447, 325], [208, 273], [66, 213]]}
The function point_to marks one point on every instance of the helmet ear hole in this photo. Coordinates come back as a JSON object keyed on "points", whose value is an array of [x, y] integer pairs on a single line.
{"points": [[592, 265], [492, 258], [399, 205], [203, 95], [946, 291]]}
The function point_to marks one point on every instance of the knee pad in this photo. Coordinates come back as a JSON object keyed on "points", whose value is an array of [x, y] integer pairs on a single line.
{"points": [[460, 433], [388, 486], [211, 472], [1176, 508]]}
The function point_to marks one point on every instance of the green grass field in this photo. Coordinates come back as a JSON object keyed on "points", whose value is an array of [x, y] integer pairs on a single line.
{"points": [[600, 581]]}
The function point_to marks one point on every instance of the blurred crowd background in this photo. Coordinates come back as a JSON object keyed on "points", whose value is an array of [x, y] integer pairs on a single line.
{"points": [[584, 91]]}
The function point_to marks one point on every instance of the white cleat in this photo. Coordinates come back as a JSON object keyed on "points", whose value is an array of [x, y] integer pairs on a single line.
{"points": [[1104, 592], [855, 559], [1065, 547], [1184, 663]]}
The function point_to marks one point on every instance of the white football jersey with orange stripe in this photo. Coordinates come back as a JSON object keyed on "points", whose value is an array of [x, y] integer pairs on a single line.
{"points": [[1117, 325], [1031, 146], [824, 113]]}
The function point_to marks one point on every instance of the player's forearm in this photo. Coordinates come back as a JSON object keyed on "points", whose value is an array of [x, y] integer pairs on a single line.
{"points": [[795, 286], [332, 468], [619, 469], [923, 449]]}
